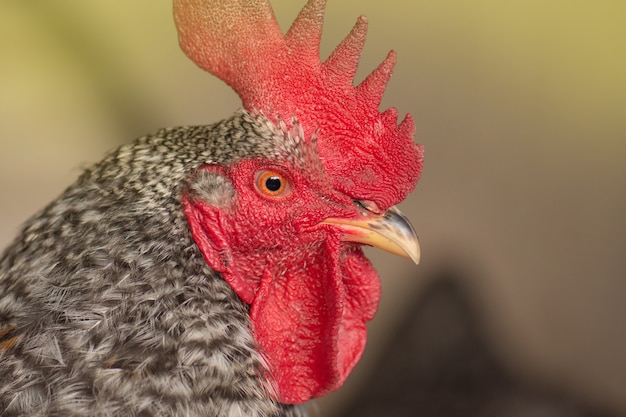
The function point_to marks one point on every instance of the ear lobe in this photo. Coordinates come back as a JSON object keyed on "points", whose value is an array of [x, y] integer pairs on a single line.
{"points": [[207, 202], [206, 226], [208, 196]]}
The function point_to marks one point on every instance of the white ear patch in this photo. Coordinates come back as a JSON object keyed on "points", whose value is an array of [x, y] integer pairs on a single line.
{"points": [[212, 187]]}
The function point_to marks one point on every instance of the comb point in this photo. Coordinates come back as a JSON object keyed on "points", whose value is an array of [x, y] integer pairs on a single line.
{"points": [[343, 62], [406, 128], [305, 33], [373, 87]]}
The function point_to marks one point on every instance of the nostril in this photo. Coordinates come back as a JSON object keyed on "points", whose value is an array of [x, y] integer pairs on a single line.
{"points": [[360, 205], [368, 206]]}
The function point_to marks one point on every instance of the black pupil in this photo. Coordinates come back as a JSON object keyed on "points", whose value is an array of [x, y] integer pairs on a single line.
{"points": [[273, 183]]}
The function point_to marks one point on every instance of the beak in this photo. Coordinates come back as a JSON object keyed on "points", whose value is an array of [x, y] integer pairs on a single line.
{"points": [[391, 231]]}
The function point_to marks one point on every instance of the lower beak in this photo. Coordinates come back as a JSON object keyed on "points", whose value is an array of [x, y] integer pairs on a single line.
{"points": [[391, 231]]}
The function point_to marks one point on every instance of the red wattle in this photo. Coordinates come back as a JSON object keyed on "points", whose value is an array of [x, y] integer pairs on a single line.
{"points": [[310, 321]]}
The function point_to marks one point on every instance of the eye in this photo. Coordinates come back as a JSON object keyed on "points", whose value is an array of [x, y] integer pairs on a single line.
{"points": [[272, 183]]}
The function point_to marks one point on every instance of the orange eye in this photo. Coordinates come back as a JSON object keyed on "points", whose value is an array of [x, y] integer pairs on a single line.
{"points": [[272, 183]]}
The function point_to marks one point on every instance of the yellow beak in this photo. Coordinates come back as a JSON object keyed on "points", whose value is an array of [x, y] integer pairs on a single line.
{"points": [[390, 231]]}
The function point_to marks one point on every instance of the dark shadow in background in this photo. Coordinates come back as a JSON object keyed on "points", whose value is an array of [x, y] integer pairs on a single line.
{"points": [[439, 364]]}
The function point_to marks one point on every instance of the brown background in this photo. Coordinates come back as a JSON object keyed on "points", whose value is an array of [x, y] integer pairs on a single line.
{"points": [[521, 106]]}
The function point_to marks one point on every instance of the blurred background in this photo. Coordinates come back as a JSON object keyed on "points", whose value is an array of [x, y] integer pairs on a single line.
{"points": [[519, 305]]}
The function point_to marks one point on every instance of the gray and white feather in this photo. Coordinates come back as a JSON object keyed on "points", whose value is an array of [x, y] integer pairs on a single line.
{"points": [[107, 307]]}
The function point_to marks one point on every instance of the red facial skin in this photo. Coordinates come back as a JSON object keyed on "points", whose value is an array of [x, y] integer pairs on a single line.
{"points": [[310, 294]]}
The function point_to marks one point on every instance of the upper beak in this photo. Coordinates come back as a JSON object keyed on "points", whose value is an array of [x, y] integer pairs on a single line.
{"points": [[390, 231]]}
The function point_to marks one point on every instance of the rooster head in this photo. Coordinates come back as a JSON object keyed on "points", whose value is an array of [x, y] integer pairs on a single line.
{"points": [[313, 173]]}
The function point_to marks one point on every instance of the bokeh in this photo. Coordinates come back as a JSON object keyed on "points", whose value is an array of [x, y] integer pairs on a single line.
{"points": [[521, 107]]}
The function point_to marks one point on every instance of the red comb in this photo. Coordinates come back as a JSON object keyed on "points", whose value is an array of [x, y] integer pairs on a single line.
{"points": [[368, 154]]}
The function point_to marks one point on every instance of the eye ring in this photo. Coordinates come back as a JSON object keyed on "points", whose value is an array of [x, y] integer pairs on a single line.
{"points": [[271, 183]]}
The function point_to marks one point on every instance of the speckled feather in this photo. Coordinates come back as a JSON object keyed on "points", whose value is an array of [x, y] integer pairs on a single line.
{"points": [[107, 307]]}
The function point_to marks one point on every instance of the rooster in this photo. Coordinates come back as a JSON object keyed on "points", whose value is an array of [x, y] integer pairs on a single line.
{"points": [[217, 270]]}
